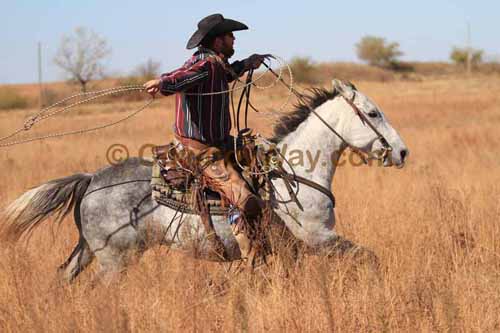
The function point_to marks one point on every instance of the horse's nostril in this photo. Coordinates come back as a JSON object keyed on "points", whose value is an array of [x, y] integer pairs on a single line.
{"points": [[403, 154]]}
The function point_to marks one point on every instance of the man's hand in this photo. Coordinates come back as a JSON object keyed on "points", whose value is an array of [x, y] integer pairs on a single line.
{"points": [[255, 60], [152, 86]]}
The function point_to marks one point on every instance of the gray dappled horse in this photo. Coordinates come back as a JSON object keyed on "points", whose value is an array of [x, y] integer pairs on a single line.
{"points": [[114, 211]]}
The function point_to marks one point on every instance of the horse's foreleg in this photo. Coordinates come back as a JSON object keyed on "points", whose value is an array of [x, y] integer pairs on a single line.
{"points": [[341, 247]]}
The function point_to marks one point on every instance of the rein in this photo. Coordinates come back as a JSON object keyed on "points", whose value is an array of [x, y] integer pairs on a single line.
{"points": [[386, 147], [289, 178]]}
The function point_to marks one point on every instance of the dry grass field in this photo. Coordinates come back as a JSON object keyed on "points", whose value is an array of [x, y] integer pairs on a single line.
{"points": [[434, 225]]}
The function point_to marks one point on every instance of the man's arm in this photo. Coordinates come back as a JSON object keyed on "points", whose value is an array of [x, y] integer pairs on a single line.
{"points": [[252, 62], [181, 79], [238, 68]]}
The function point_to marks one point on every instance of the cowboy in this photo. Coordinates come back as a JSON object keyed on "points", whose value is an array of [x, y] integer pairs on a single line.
{"points": [[202, 117]]}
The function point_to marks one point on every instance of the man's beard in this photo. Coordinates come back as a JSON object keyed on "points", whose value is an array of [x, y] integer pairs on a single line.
{"points": [[227, 51]]}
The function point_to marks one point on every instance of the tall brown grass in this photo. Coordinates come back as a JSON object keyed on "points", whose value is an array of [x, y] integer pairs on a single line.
{"points": [[434, 226]]}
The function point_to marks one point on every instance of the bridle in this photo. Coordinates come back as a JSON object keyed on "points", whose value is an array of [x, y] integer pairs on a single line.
{"points": [[365, 156], [386, 147]]}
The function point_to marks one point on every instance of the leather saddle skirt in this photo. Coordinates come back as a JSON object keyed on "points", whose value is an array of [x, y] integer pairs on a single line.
{"points": [[173, 185]]}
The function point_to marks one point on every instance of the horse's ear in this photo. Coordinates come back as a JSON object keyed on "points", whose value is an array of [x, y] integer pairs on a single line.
{"points": [[344, 89], [337, 85], [353, 87]]}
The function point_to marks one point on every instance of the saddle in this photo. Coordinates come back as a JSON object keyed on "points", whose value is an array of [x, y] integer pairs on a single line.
{"points": [[177, 182], [172, 184]]}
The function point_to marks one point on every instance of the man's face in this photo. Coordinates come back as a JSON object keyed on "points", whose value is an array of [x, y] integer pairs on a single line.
{"points": [[226, 45]]}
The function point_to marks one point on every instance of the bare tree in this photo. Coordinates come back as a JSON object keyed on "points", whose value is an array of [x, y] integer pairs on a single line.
{"points": [[81, 55], [148, 70]]}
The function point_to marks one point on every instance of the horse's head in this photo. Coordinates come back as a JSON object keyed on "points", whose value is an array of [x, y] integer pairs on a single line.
{"points": [[359, 132]]}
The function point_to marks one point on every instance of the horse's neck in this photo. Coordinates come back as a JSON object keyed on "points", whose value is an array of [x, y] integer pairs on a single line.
{"points": [[313, 150]]}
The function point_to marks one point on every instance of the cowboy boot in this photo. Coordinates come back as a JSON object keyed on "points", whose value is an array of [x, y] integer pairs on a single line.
{"points": [[247, 248], [244, 229], [218, 251]]}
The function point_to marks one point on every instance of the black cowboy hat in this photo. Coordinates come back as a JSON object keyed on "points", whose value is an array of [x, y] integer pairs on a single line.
{"points": [[213, 25]]}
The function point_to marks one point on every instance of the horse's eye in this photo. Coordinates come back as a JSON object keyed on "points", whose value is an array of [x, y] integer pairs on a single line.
{"points": [[373, 114]]}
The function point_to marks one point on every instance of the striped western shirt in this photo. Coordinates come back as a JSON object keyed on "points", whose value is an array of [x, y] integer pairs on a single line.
{"points": [[205, 118]]}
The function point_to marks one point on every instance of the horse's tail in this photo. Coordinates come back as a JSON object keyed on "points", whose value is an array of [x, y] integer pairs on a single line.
{"points": [[57, 197]]}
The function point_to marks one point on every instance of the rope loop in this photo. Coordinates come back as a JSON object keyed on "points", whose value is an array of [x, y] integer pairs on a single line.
{"points": [[29, 123], [94, 95]]}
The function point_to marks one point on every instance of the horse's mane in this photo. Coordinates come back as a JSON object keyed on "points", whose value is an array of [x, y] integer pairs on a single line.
{"points": [[289, 122], [317, 96]]}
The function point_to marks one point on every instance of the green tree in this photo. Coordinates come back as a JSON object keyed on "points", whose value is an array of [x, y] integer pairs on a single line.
{"points": [[81, 56], [303, 70], [459, 56], [378, 52]]}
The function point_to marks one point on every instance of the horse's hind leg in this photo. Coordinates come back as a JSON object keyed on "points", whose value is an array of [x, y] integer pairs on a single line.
{"points": [[112, 262], [77, 261], [81, 255]]}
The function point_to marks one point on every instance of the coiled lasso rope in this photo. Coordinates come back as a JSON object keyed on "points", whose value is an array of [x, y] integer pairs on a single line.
{"points": [[44, 114], [40, 116]]}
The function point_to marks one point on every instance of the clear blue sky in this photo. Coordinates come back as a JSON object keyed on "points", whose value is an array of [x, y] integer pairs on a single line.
{"points": [[323, 30]]}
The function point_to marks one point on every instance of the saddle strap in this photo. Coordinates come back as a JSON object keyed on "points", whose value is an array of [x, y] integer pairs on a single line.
{"points": [[311, 184], [316, 186], [186, 208]]}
